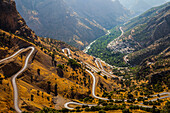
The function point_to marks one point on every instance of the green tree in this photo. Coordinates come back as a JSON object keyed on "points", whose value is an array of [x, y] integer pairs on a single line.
{"points": [[73, 64], [49, 87], [32, 97], [55, 63], [53, 57], [31, 78], [60, 66], [105, 77], [38, 71], [130, 96], [102, 111], [1, 79], [38, 93], [56, 93], [99, 72], [64, 110]]}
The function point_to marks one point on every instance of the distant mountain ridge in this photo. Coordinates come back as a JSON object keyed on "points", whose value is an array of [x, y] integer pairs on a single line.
{"points": [[59, 20], [140, 6], [107, 13]]}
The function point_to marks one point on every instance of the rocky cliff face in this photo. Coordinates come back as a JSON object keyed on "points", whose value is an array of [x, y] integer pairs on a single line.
{"points": [[54, 19], [11, 21]]}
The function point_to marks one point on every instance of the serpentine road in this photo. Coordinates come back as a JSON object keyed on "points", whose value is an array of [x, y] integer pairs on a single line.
{"points": [[97, 63], [68, 50], [94, 85], [102, 69], [11, 56], [13, 80], [110, 44], [76, 103], [93, 93]]}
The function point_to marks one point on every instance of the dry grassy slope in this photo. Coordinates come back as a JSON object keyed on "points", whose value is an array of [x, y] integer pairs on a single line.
{"points": [[42, 64], [71, 78], [48, 72]]}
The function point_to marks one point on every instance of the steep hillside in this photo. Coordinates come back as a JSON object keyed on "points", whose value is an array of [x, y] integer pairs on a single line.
{"points": [[146, 36], [107, 13], [145, 17], [11, 21], [46, 82], [156, 69], [54, 19], [140, 33], [32, 82], [51, 79]]}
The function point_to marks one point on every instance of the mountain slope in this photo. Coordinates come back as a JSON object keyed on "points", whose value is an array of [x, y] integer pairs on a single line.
{"points": [[145, 35], [148, 34], [156, 69], [140, 6], [51, 79], [11, 21], [107, 13], [54, 19], [145, 17]]}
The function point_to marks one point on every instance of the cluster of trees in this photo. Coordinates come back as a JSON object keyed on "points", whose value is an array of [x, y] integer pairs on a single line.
{"points": [[99, 49], [152, 110], [122, 107], [88, 99], [73, 64], [106, 107], [60, 66]]}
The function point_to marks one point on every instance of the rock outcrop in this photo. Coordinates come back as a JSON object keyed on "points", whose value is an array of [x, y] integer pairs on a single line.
{"points": [[11, 21]]}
